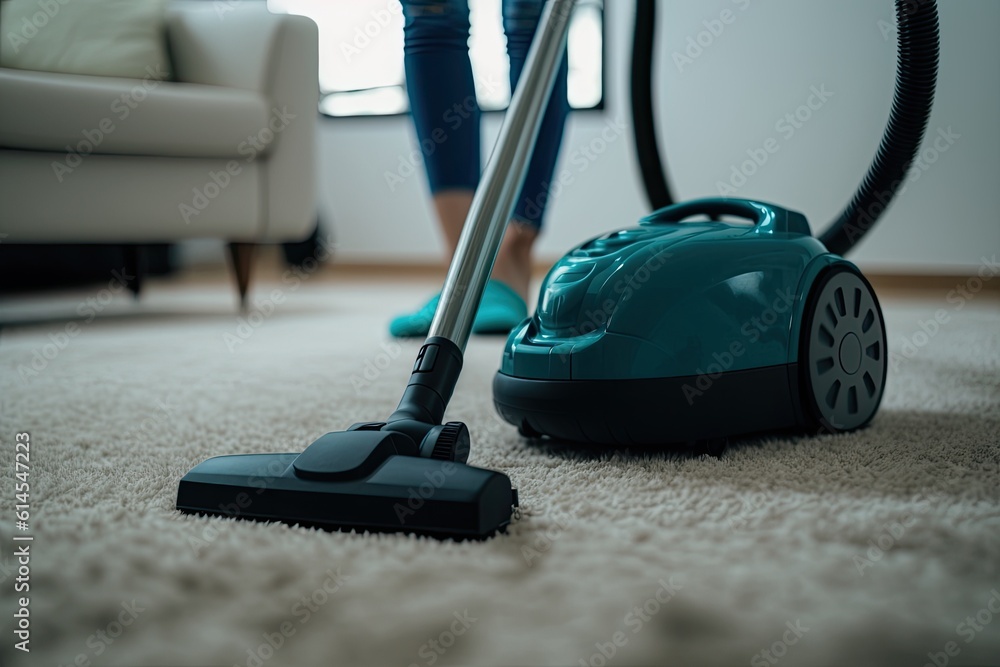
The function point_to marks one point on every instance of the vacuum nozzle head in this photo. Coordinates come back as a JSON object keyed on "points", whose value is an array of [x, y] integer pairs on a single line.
{"points": [[374, 480]]}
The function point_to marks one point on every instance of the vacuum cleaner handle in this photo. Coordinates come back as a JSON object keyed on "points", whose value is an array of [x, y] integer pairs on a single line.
{"points": [[767, 218]]}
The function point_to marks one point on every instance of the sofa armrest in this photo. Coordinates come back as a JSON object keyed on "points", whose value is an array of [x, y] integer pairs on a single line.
{"points": [[239, 44]]}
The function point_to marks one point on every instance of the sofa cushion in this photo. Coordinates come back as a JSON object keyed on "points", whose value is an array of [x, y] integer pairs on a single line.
{"points": [[98, 37], [71, 113]]}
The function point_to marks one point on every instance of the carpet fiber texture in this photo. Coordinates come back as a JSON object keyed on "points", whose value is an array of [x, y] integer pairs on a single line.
{"points": [[878, 547]]}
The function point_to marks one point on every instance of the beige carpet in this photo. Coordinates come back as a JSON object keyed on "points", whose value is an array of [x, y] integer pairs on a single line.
{"points": [[657, 559]]}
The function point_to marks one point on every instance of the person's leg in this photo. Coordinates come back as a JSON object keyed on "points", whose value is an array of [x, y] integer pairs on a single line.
{"points": [[513, 266], [447, 120], [445, 112], [443, 104]]}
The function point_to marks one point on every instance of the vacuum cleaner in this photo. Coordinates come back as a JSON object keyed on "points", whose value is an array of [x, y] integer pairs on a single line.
{"points": [[674, 331], [692, 332]]}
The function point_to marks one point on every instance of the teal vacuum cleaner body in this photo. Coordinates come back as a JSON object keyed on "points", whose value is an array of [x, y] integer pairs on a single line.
{"points": [[680, 331]]}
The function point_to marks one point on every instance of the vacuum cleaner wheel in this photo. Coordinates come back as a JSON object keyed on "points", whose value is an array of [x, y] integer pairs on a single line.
{"points": [[844, 352]]}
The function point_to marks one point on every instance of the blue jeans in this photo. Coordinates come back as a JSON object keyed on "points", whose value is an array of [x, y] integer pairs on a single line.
{"points": [[443, 97]]}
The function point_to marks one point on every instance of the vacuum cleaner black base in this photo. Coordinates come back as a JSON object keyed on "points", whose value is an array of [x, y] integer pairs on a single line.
{"points": [[654, 411]]}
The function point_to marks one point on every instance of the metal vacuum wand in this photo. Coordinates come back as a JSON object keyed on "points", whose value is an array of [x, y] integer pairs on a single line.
{"points": [[495, 198]]}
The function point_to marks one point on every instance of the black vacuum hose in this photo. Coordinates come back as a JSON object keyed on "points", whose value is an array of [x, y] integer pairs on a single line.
{"points": [[916, 78], [643, 115]]}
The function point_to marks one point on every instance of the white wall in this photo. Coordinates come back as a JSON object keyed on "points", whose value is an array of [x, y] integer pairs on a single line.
{"points": [[727, 101]]}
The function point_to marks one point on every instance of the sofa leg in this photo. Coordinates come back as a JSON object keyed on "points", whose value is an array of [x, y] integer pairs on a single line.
{"points": [[241, 256], [135, 267]]}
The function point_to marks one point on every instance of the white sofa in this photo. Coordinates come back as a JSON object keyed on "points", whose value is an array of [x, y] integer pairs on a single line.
{"points": [[225, 149]]}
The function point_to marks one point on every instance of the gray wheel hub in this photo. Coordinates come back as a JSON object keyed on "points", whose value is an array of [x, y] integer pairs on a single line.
{"points": [[846, 353]]}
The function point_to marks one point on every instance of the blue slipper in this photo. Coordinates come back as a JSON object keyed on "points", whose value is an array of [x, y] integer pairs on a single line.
{"points": [[414, 324], [501, 310]]}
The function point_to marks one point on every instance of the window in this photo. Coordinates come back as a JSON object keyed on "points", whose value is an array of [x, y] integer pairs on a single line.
{"points": [[361, 54]]}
